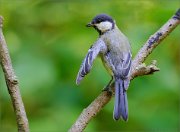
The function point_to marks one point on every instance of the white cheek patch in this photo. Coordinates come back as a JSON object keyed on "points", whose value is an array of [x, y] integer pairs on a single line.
{"points": [[104, 26]]}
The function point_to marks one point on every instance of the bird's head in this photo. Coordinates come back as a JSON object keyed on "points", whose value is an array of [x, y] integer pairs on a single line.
{"points": [[102, 23]]}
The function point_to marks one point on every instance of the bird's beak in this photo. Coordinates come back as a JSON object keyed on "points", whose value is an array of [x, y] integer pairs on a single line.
{"points": [[90, 25]]}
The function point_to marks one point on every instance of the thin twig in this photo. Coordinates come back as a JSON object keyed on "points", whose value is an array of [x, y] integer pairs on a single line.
{"points": [[12, 84], [88, 113]]}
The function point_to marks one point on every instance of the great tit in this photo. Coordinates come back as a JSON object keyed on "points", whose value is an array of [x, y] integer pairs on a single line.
{"points": [[114, 50]]}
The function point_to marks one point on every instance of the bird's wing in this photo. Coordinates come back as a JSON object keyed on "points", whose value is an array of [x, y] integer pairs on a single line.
{"points": [[126, 64], [98, 47], [126, 69]]}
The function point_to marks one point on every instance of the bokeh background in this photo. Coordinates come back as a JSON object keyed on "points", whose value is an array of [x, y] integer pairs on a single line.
{"points": [[47, 41]]}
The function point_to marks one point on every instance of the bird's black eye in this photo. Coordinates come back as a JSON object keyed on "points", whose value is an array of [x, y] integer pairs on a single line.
{"points": [[98, 21]]}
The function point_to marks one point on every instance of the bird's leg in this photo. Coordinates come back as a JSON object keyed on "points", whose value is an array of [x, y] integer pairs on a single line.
{"points": [[107, 87]]}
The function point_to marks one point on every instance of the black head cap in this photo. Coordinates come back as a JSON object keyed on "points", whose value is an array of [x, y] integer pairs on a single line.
{"points": [[100, 18]]}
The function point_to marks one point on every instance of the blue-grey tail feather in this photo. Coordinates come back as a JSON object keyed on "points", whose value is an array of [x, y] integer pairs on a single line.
{"points": [[121, 102], [117, 101]]}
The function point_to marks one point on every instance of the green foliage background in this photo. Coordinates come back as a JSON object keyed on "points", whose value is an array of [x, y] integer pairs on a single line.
{"points": [[47, 41]]}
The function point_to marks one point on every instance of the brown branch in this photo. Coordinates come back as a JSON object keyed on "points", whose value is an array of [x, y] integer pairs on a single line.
{"points": [[137, 70], [12, 84], [142, 69]]}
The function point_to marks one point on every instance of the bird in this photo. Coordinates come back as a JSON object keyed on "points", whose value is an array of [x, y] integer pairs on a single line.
{"points": [[114, 49]]}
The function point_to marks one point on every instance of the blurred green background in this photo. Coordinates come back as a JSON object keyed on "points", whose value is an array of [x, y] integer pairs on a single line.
{"points": [[47, 41]]}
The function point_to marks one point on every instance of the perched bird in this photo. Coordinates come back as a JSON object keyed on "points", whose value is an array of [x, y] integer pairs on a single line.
{"points": [[114, 49]]}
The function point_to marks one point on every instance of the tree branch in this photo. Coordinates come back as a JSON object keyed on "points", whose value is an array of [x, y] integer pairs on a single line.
{"points": [[142, 69], [12, 84], [138, 69]]}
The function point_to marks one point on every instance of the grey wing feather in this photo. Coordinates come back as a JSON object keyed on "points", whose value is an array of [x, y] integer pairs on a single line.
{"points": [[126, 69], [98, 47], [126, 65]]}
